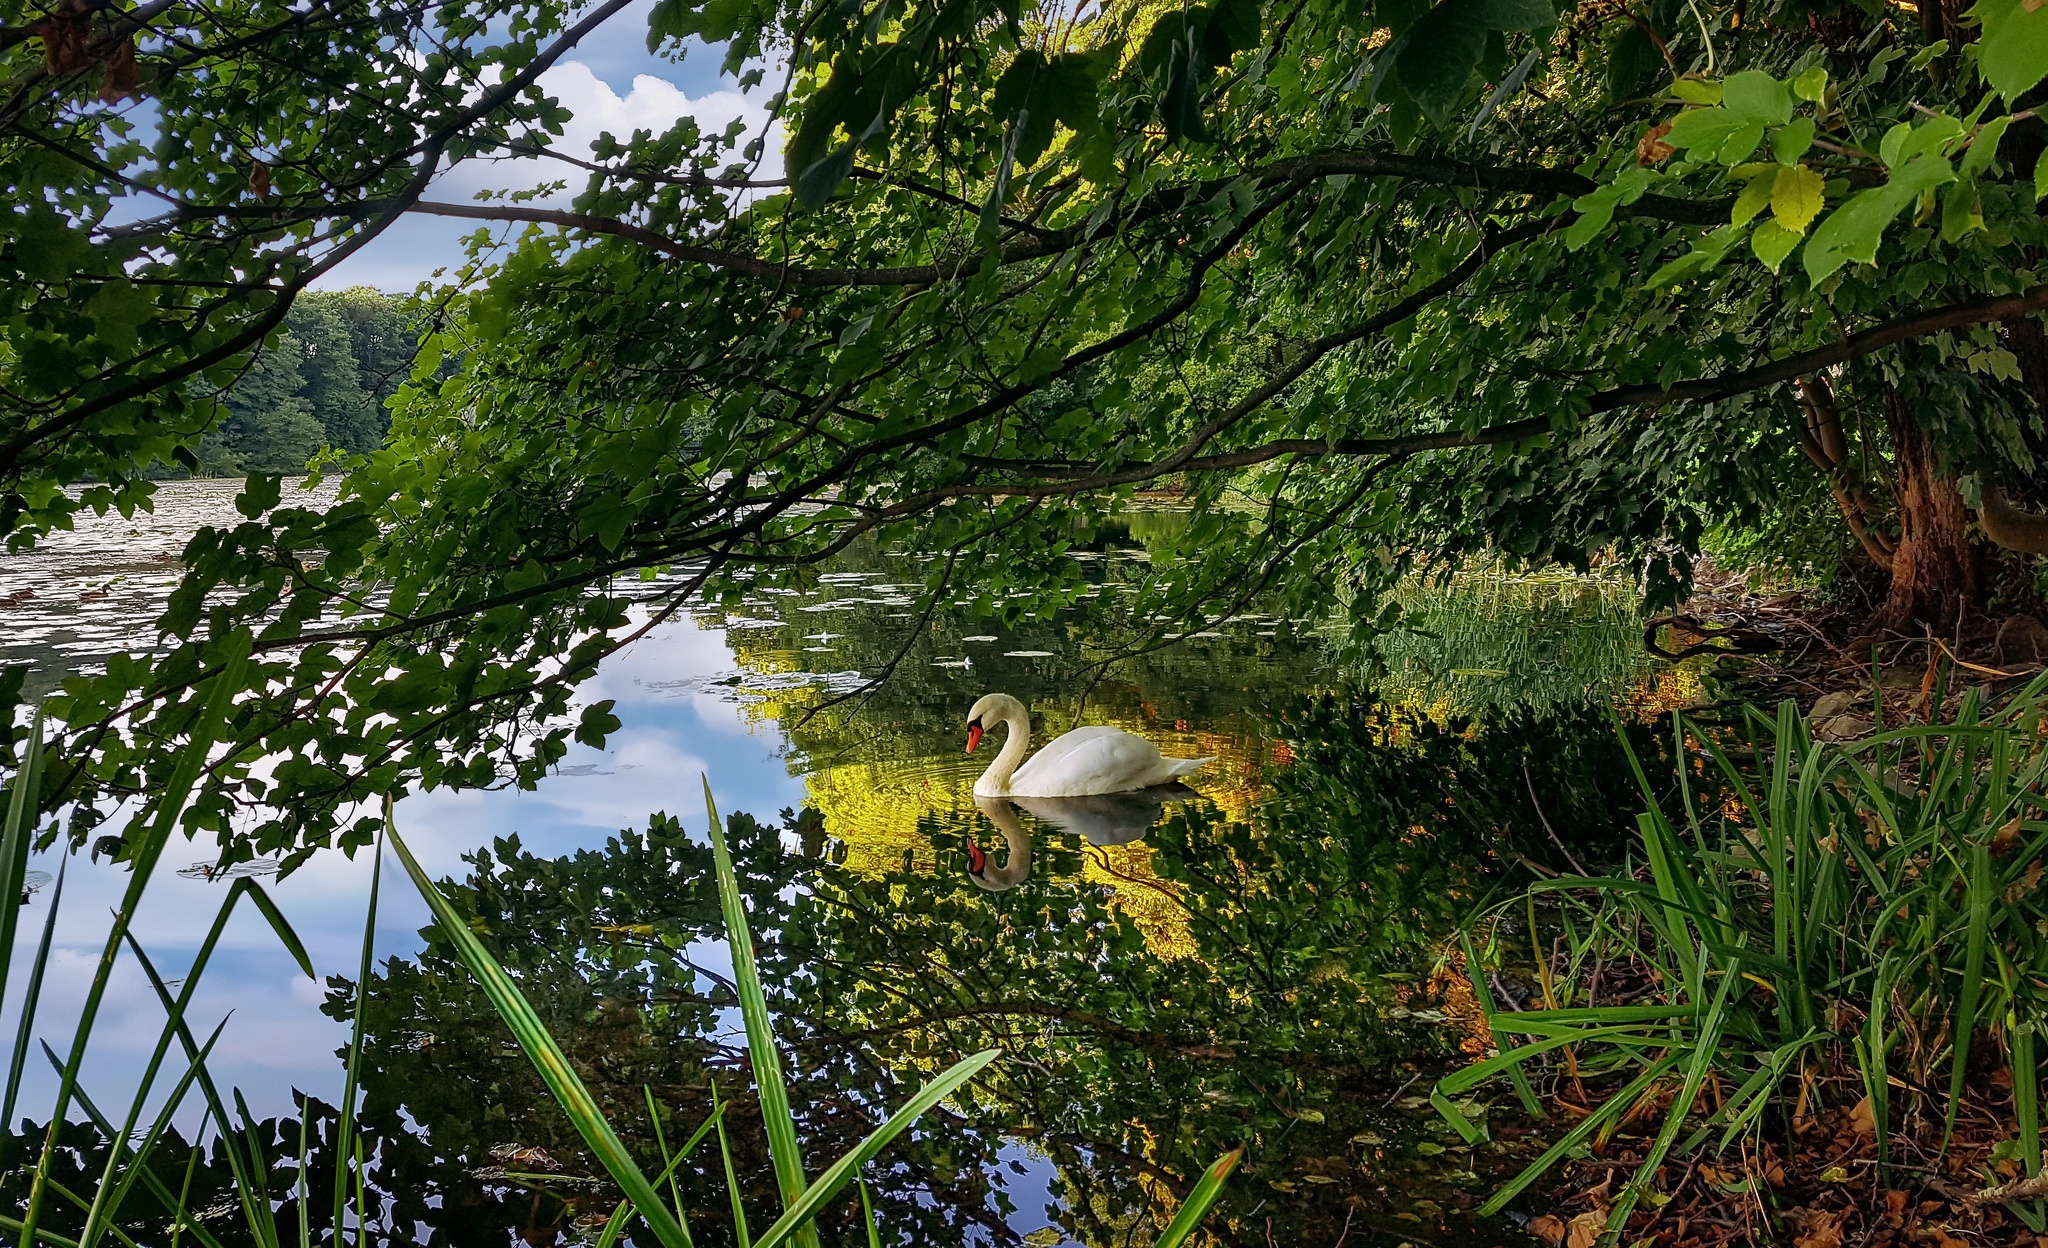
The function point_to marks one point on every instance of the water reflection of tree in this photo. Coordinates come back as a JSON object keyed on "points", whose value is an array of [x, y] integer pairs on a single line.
{"points": [[1297, 1018], [1291, 1023], [1211, 682]]}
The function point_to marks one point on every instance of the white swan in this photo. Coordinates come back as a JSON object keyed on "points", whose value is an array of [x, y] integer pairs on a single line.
{"points": [[1080, 763]]}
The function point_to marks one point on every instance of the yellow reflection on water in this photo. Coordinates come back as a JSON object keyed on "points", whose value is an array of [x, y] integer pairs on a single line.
{"points": [[873, 781]]}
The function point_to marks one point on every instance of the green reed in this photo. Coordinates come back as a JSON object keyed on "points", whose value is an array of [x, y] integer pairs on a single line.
{"points": [[1859, 919], [136, 1142]]}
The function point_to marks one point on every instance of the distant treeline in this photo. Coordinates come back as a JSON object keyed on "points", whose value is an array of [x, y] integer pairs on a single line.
{"points": [[322, 385]]}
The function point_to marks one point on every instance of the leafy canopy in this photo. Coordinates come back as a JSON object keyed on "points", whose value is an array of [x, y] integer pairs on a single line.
{"points": [[1376, 287]]}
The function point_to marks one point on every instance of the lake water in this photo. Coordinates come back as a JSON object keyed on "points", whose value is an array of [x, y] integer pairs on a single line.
{"points": [[1254, 962]]}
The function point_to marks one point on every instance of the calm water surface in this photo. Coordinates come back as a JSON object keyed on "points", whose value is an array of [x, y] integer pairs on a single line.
{"points": [[1248, 963]]}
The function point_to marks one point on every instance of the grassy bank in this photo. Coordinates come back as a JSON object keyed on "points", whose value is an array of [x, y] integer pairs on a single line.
{"points": [[1806, 1009]]}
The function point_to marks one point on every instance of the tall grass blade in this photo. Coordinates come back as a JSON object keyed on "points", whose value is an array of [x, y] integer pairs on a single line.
{"points": [[25, 1028], [616, 1226], [1982, 884], [17, 834], [41, 1236], [302, 1188], [776, 1118], [156, 1186], [732, 1178], [175, 1015], [185, 1196], [149, 845], [112, 1191], [2026, 1101], [1196, 1206], [248, 1178], [668, 1159], [1608, 1111], [867, 1214], [546, 1055], [805, 1207], [345, 1118], [1482, 992], [256, 1195]]}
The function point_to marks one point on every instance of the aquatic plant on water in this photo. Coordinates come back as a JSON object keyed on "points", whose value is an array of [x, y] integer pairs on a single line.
{"points": [[1858, 936]]}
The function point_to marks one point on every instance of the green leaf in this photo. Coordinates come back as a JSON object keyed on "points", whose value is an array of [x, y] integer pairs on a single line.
{"points": [[1688, 265], [1811, 85], [1797, 195], [1173, 52], [1443, 49], [1506, 90], [1962, 210], [1233, 26], [1741, 142], [1927, 55], [999, 186], [259, 494], [1789, 143], [1904, 141], [1852, 232], [1978, 156], [1697, 90], [1772, 243], [1755, 197], [1707, 128], [1595, 209], [715, 22], [1755, 96], [2013, 52], [1038, 93], [815, 184], [2041, 178]]}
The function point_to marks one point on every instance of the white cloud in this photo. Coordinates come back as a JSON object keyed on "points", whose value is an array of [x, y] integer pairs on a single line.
{"points": [[416, 247], [653, 104]]}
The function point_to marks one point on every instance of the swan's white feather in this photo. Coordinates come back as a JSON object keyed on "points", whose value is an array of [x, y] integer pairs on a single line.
{"points": [[1096, 759]]}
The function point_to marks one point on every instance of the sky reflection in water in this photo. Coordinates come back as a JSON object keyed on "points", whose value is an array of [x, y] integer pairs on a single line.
{"points": [[711, 696]]}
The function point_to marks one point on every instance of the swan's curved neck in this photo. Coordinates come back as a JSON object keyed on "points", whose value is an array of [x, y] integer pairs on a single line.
{"points": [[1018, 863], [1016, 744]]}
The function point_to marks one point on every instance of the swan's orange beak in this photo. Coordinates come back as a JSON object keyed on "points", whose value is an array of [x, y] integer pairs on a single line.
{"points": [[977, 862], [973, 735]]}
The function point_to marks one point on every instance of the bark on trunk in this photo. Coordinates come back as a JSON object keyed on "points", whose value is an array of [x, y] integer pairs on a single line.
{"points": [[1935, 575]]}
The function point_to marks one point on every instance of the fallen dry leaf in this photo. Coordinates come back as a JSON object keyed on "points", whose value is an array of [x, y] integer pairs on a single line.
{"points": [[1585, 1229], [1861, 1120], [1653, 149], [1548, 1229], [1823, 1230]]}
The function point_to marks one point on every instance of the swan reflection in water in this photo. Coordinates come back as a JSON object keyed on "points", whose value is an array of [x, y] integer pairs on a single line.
{"points": [[1103, 818]]}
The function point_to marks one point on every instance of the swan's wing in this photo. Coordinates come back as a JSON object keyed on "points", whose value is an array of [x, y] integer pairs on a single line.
{"points": [[1068, 742], [1089, 760]]}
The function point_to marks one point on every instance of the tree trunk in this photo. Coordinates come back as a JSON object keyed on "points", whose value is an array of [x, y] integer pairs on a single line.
{"points": [[1935, 574]]}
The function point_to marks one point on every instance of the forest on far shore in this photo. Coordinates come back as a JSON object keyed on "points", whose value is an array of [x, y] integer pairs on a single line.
{"points": [[323, 384]]}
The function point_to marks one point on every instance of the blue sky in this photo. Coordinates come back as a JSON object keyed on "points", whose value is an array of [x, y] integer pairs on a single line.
{"points": [[610, 82], [278, 1040]]}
